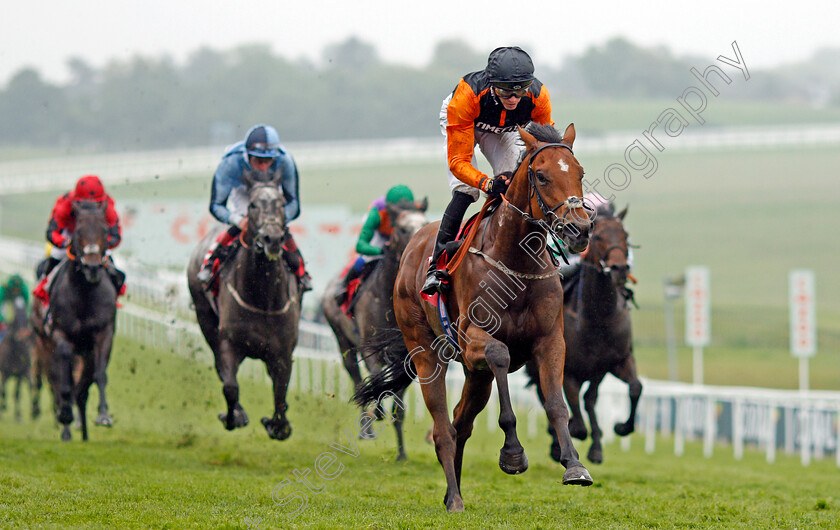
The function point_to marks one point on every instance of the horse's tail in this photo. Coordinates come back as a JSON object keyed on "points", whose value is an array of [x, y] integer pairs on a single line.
{"points": [[394, 377], [532, 373]]}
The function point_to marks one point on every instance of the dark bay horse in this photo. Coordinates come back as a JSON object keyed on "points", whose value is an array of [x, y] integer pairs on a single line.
{"points": [[258, 304], [598, 332], [506, 306], [15, 355], [374, 308], [83, 309]]}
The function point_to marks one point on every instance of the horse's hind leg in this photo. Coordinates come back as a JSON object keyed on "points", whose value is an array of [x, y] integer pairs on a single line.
{"points": [[431, 373], [35, 385], [227, 364], [280, 371], [102, 354], [627, 373], [474, 396], [512, 458], [596, 454], [3, 379], [398, 416], [571, 387]]}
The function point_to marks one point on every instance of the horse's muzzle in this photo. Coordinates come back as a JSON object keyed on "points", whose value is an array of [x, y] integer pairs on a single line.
{"points": [[270, 242]]}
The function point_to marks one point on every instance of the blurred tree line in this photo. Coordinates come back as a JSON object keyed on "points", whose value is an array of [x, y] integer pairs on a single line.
{"points": [[216, 95]]}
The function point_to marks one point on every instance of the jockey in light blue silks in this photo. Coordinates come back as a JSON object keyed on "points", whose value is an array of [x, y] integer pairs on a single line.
{"points": [[261, 150]]}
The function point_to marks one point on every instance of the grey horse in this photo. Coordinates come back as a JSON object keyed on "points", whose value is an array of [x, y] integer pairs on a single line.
{"points": [[258, 304], [374, 307]]}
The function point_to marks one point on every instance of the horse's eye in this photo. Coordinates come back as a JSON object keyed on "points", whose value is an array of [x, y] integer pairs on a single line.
{"points": [[541, 178]]}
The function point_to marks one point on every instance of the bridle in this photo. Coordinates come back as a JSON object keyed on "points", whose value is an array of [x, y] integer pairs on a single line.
{"points": [[553, 224], [600, 264]]}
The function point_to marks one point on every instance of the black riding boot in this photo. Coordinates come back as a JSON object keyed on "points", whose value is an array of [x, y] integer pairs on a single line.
{"points": [[45, 266], [294, 259], [352, 274], [449, 225]]}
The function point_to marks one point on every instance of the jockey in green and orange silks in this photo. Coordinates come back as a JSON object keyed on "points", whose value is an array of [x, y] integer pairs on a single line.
{"points": [[375, 233]]}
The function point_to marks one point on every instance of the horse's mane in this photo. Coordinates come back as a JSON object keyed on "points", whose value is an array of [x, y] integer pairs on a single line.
{"points": [[543, 133]]}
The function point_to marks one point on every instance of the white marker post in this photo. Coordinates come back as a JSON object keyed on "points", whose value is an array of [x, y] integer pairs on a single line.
{"points": [[803, 319], [697, 315]]}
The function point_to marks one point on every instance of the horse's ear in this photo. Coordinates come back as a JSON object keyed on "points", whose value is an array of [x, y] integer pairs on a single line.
{"points": [[623, 212], [277, 177], [528, 138], [569, 135], [422, 205], [393, 211], [248, 178]]}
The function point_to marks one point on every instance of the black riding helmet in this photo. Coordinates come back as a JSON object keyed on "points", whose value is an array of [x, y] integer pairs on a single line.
{"points": [[510, 68]]}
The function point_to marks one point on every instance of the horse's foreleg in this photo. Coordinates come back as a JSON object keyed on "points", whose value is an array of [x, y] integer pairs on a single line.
{"points": [[82, 393], [626, 371], [512, 458], [596, 454], [550, 366], [17, 399], [227, 364], [64, 371], [474, 396], [280, 371], [554, 450], [102, 354]]}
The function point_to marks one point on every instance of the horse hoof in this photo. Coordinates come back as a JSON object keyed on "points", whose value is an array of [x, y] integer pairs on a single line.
{"points": [[556, 453], [401, 457], [577, 476], [596, 456], [455, 505], [277, 430], [578, 431], [513, 464], [65, 434], [240, 419], [623, 429], [104, 420], [366, 433]]}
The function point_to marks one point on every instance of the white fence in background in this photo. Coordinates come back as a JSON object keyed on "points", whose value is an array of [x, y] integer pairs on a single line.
{"points": [[22, 176], [766, 419]]}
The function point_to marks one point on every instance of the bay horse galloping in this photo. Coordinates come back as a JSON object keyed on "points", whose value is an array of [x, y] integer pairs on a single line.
{"points": [[598, 332], [83, 312], [15, 355], [506, 308], [373, 310], [258, 303]]}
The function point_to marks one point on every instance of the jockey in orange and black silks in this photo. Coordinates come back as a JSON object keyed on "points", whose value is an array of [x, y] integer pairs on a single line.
{"points": [[485, 109]]}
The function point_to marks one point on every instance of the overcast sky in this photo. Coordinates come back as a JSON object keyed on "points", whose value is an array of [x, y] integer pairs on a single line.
{"points": [[45, 33]]}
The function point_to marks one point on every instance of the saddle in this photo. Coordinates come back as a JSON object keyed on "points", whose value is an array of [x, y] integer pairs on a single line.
{"points": [[354, 286]]}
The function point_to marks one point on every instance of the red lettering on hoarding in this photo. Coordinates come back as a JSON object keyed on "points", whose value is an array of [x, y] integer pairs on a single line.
{"points": [[177, 229]]}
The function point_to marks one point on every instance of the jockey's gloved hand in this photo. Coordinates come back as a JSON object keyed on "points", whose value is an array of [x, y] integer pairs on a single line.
{"points": [[499, 184]]}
